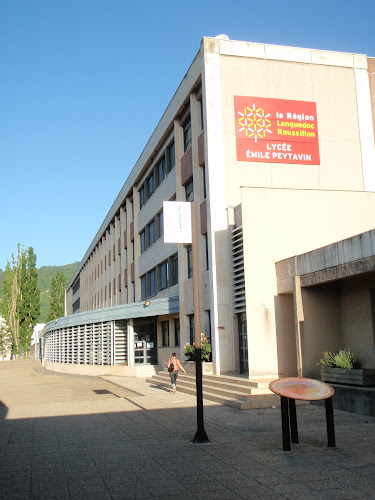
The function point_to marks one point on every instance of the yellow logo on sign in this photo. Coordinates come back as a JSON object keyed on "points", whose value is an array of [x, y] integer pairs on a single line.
{"points": [[254, 122]]}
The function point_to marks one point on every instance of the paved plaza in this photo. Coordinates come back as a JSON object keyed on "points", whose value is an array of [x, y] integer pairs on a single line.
{"points": [[74, 437]]}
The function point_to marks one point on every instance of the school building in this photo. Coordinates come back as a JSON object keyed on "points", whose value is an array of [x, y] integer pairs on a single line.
{"points": [[275, 145]]}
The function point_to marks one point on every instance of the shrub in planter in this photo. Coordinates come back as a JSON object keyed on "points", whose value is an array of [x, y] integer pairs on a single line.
{"points": [[189, 349], [344, 359], [343, 367]]}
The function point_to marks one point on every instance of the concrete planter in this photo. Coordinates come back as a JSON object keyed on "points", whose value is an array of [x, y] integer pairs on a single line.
{"points": [[359, 377], [207, 367]]}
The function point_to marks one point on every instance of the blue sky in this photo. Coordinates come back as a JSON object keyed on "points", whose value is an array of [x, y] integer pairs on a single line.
{"points": [[83, 84]]}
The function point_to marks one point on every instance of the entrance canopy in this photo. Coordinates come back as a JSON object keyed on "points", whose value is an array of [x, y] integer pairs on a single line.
{"points": [[343, 259], [333, 290]]}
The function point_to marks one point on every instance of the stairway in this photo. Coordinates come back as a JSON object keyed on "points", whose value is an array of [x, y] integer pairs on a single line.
{"points": [[238, 392]]}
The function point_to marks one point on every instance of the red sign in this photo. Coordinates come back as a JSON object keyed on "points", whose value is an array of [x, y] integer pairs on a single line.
{"points": [[276, 130]]}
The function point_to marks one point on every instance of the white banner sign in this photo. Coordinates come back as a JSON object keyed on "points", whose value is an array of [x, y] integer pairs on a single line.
{"points": [[177, 222]]}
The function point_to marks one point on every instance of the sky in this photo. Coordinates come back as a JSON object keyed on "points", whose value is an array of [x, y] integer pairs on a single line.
{"points": [[83, 84]]}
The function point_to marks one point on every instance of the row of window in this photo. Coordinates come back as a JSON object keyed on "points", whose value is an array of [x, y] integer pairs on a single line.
{"points": [[152, 232], [158, 174], [160, 277]]}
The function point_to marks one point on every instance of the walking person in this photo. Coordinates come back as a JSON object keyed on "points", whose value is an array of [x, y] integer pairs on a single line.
{"points": [[173, 366]]}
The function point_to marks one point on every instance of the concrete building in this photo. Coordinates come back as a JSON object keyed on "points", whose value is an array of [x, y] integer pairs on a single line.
{"points": [[276, 146]]}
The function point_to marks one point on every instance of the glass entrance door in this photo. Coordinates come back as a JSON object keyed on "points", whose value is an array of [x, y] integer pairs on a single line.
{"points": [[242, 331], [145, 341]]}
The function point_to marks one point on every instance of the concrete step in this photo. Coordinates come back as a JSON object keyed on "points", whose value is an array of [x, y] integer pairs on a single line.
{"points": [[236, 391], [234, 395], [144, 371]]}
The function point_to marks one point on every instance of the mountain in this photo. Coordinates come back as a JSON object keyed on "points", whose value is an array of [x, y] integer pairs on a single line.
{"points": [[45, 275]]}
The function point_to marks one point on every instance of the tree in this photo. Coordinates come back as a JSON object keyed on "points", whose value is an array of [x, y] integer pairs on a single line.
{"points": [[57, 298], [20, 303], [30, 298], [11, 299], [5, 338]]}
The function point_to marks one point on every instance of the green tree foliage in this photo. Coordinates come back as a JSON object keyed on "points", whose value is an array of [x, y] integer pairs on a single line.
{"points": [[30, 302], [10, 303], [45, 275], [57, 299], [20, 303], [5, 339]]}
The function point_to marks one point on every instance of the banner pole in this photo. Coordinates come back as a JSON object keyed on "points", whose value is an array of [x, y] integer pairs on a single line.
{"points": [[200, 436]]}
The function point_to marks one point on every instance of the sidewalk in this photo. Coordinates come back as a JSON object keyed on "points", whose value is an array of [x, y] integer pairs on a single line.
{"points": [[73, 437]]}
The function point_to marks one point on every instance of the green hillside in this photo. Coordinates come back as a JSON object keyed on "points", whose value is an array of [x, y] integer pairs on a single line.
{"points": [[45, 275]]}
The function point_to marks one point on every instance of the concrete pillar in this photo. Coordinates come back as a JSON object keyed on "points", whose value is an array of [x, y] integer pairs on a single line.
{"points": [[131, 342], [298, 319]]}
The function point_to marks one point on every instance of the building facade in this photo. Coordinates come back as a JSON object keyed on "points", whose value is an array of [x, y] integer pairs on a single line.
{"points": [[275, 145]]}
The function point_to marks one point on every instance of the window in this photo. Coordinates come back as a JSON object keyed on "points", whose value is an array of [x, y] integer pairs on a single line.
{"points": [[207, 328], [187, 134], [76, 305], [191, 328], [161, 171], [165, 333], [132, 208], [189, 191], [143, 287], [174, 270], [150, 185], [132, 244], [177, 331], [152, 235], [190, 261], [159, 220], [142, 197], [206, 252], [152, 276], [171, 157], [163, 275], [109, 257], [143, 241], [76, 286]]}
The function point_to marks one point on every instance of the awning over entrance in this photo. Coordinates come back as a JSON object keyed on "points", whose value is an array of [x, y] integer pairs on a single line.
{"points": [[343, 259], [156, 307], [333, 291]]}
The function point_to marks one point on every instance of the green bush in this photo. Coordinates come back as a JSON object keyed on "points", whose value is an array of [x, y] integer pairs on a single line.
{"points": [[341, 359], [189, 349]]}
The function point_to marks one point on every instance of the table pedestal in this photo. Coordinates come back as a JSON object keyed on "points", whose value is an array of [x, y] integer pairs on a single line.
{"points": [[289, 422]]}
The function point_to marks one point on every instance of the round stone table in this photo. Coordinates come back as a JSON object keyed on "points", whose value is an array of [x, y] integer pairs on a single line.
{"points": [[291, 389]]}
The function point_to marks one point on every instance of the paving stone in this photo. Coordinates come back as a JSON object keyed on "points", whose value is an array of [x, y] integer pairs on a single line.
{"points": [[93, 447]]}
